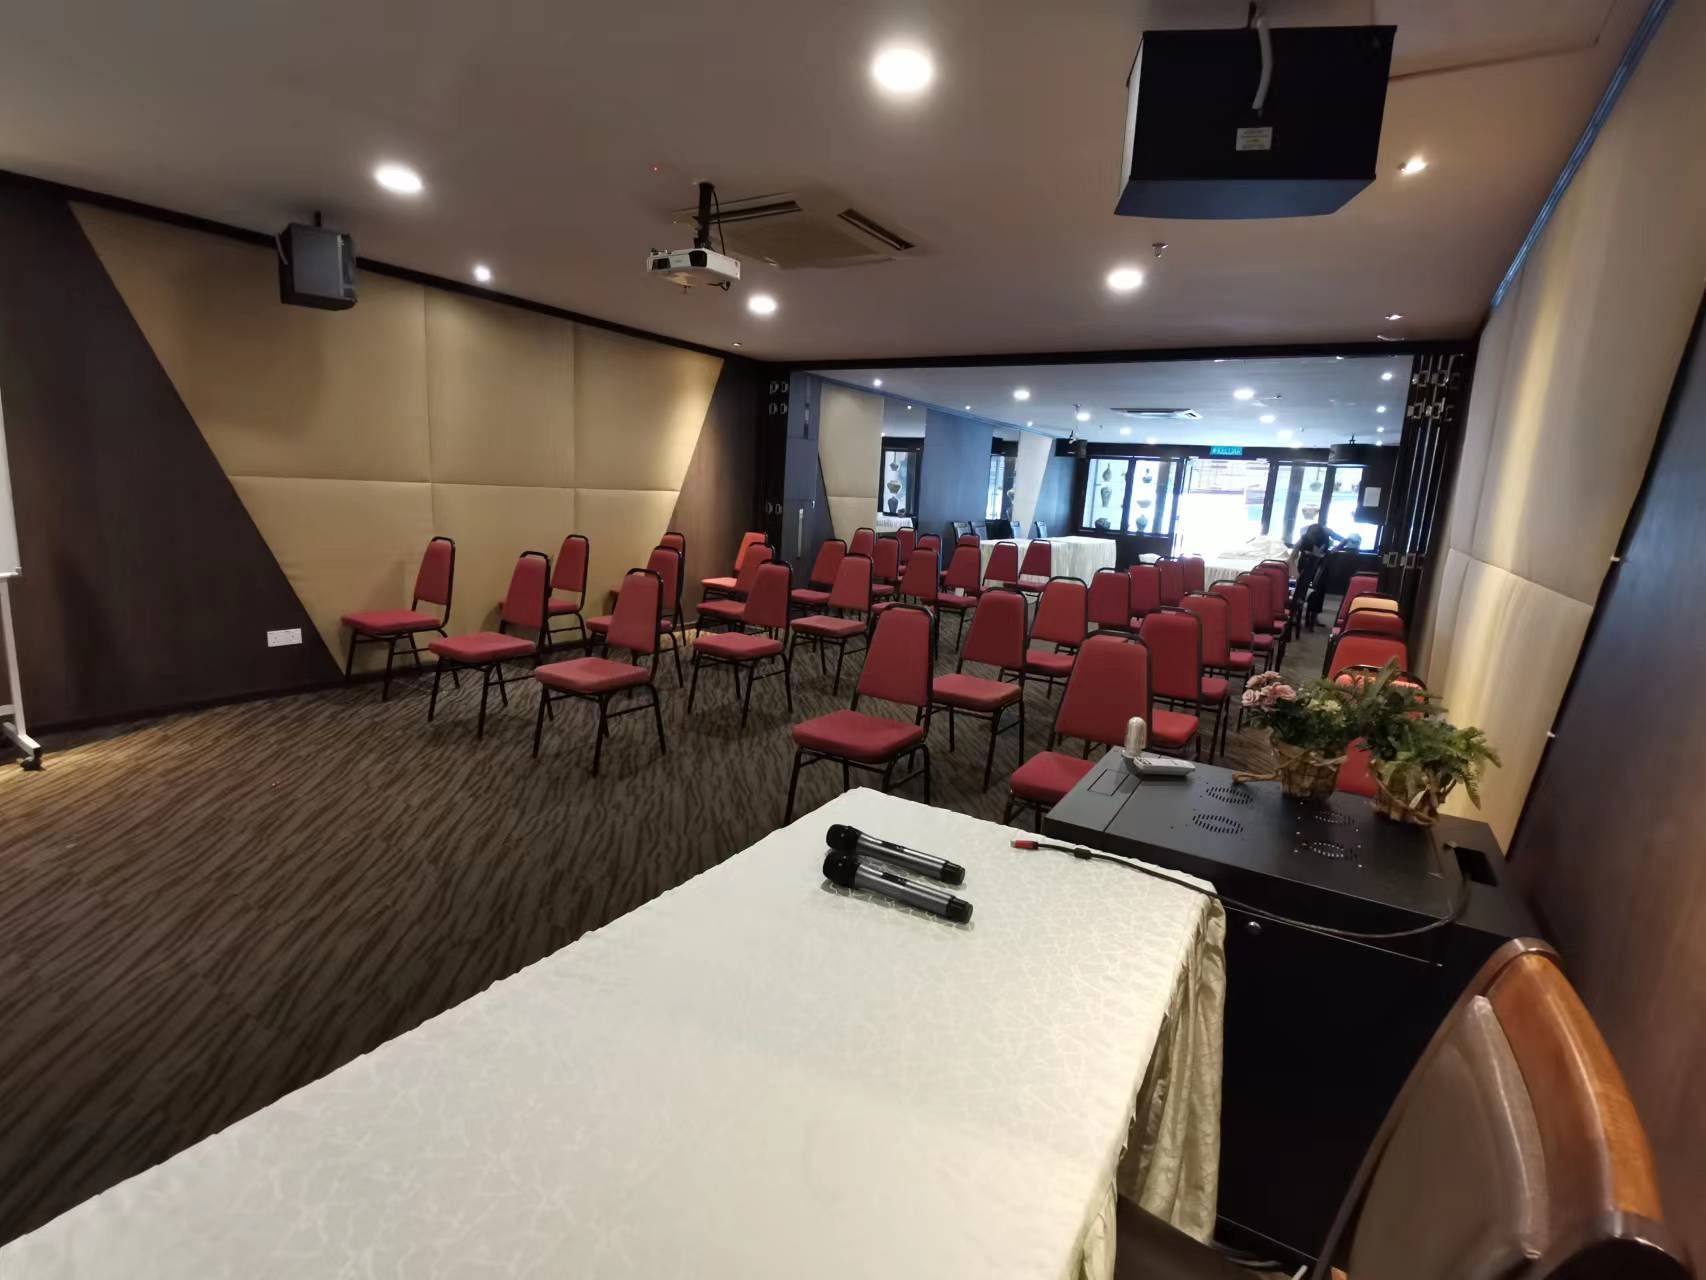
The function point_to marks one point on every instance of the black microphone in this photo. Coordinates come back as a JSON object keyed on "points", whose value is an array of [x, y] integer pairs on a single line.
{"points": [[852, 840], [846, 870]]}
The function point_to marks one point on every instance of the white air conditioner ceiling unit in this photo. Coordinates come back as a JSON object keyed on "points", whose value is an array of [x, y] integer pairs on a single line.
{"points": [[1176, 415], [809, 228]]}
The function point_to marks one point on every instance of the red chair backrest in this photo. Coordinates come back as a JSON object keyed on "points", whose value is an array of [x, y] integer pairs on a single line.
{"points": [[864, 542], [997, 635], [1239, 634], [1110, 599], [962, 572], [666, 563], [1279, 591], [529, 584], [750, 553], [1172, 581], [639, 600], [1174, 637], [1063, 612], [757, 555], [1003, 566], [748, 540], [1382, 624], [827, 561], [767, 605], [1194, 571], [919, 578], [930, 542], [1211, 611], [437, 574], [967, 540], [675, 541], [1361, 649], [1109, 685], [897, 665], [1145, 589], [1360, 584], [885, 560], [852, 589], [908, 540], [1260, 587], [569, 573], [1039, 560]]}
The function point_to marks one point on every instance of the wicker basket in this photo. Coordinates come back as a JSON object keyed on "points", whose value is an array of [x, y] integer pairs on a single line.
{"points": [[1305, 773], [1422, 810]]}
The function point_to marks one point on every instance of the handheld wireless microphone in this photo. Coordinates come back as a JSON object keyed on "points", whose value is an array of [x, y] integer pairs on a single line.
{"points": [[846, 870], [852, 840]]}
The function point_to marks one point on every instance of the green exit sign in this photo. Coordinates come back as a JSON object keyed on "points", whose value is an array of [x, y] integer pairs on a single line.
{"points": [[1226, 451]]}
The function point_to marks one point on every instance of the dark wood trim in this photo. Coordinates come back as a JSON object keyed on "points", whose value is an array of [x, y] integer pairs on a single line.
{"points": [[1275, 351]]}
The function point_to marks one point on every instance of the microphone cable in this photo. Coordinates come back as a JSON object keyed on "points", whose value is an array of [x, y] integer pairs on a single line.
{"points": [[1459, 905]]}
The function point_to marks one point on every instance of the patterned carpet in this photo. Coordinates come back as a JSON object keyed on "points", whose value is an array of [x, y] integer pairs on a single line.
{"points": [[205, 912]]}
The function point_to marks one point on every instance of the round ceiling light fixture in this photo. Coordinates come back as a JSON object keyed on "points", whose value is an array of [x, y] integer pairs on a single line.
{"points": [[876, 382], [1125, 279], [482, 273], [761, 304], [903, 69], [1413, 166], [1083, 415], [399, 179], [1021, 393], [1244, 393]]}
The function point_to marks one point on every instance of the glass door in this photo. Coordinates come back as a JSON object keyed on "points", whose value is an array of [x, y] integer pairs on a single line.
{"points": [[1220, 505]]}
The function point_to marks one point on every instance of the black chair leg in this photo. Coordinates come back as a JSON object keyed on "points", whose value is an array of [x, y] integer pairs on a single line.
{"points": [[788, 680], [751, 679], [437, 675], [485, 689], [989, 759], [598, 744], [1021, 725], [840, 657], [693, 690], [926, 750], [390, 661], [455, 677], [951, 743], [793, 786], [539, 724], [349, 665], [657, 718], [1007, 810]]}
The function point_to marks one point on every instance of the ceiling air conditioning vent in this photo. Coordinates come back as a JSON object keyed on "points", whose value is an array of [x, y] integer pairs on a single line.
{"points": [[1170, 415], [803, 229]]}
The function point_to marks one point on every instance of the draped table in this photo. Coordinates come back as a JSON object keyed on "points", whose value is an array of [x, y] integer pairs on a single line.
{"points": [[755, 1074], [1072, 557]]}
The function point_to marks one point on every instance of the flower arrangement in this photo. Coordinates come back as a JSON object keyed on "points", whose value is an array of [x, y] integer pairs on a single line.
{"points": [[1310, 728], [1418, 757]]}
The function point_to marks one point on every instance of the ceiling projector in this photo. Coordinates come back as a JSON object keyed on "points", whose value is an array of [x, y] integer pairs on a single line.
{"points": [[693, 266]]}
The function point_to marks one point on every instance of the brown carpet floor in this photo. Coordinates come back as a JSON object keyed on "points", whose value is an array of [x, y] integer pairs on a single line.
{"points": [[205, 912]]}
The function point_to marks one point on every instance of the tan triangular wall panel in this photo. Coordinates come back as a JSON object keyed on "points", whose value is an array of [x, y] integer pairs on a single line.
{"points": [[638, 409]]}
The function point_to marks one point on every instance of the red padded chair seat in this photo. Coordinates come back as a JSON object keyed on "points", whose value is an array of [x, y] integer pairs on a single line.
{"points": [[975, 693], [1048, 776], [1171, 728], [728, 610], [591, 675], [600, 623], [1241, 660], [1049, 664], [858, 736], [717, 584], [1214, 688], [1261, 644], [834, 628], [563, 606], [391, 622], [481, 647], [882, 589], [954, 600], [809, 596], [738, 646]]}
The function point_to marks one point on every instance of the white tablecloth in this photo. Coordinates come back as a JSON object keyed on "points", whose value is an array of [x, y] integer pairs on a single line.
{"points": [[1071, 557], [753, 1075]]}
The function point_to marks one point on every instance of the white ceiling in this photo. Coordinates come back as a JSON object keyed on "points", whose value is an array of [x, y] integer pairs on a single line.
{"points": [[1319, 400], [556, 135]]}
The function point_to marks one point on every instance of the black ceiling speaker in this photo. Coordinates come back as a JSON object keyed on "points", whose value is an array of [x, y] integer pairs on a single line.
{"points": [[1253, 122], [316, 267]]}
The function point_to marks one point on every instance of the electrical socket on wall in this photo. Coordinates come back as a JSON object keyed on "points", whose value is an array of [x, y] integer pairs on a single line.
{"points": [[278, 639]]}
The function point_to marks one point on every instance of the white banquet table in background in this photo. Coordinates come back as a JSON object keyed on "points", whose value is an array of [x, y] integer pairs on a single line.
{"points": [[753, 1075], [1072, 557]]}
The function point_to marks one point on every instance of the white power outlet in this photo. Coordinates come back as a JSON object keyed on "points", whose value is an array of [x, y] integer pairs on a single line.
{"points": [[278, 639]]}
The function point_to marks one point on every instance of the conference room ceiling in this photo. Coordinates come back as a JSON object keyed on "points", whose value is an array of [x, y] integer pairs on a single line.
{"points": [[555, 139]]}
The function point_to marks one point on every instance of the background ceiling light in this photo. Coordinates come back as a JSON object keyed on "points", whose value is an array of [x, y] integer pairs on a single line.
{"points": [[1083, 415], [1021, 393], [1380, 431], [1125, 431], [1396, 315], [903, 69], [1387, 376], [482, 273], [399, 178], [761, 304], [1415, 164], [1029, 423], [1380, 408], [1267, 418], [876, 382], [1124, 279], [1244, 393], [734, 344], [968, 408]]}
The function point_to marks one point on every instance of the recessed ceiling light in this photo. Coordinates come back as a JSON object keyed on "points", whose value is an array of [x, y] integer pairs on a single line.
{"points": [[876, 382], [1387, 376], [482, 273], [1220, 359], [903, 69], [1244, 393], [968, 408], [1029, 423], [761, 304], [1380, 431], [1396, 315], [909, 408], [1414, 165], [1083, 415], [1267, 418], [1380, 408], [1125, 279], [1338, 357], [1021, 393], [399, 178], [734, 344]]}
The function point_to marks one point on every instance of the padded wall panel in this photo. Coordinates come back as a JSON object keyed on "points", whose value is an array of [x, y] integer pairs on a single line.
{"points": [[638, 409], [623, 525], [850, 451], [492, 525], [500, 393], [344, 544], [719, 494], [276, 390]]}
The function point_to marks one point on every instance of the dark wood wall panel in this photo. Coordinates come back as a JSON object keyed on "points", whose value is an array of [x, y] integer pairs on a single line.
{"points": [[146, 586], [1612, 845], [719, 494]]}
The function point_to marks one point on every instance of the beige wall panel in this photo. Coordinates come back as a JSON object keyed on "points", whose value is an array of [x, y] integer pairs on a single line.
{"points": [[276, 390], [1514, 646], [622, 526], [344, 544], [500, 393], [639, 407], [1481, 420], [850, 443], [848, 514], [492, 525], [1430, 652]]}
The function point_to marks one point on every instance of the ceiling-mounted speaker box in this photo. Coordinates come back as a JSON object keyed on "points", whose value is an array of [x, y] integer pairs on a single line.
{"points": [[316, 267], [1197, 147]]}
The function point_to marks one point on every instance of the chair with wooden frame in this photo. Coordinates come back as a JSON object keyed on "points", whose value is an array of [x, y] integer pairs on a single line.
{"points": [[1063, 620], [1174, 637], [712, 588], [815, 594], [997, 640], [435, 582], [568, 574], [1513, 1152], [846, 617], [636, 626], [897, 669], [486, 651], [741, 650]]}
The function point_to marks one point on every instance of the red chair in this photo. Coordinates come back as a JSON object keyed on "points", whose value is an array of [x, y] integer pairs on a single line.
{"points": [[1361, 584], [846, 615], [929, 542], [1109, 685], [1145, 591], [726, 610], [640, 606], [666, 563], [1355, 776], [907, 537], [1038, 566], [1193, 571], [815, 595], [568, 574], [1174, 637], [1279, 601], [1110, 600], [897, 669], [1359, 649], [766, 608], [434, 582], [1003, 566], [711, 588], [968, 540], [885, 566], [1260, 587], [1063, 619], [918, 582], [1211, 611], [960, 586], [1241, 658], [864, 542], [997, 639], [1172, 582], [487, 651], [675, 540], [1383, 624]]}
